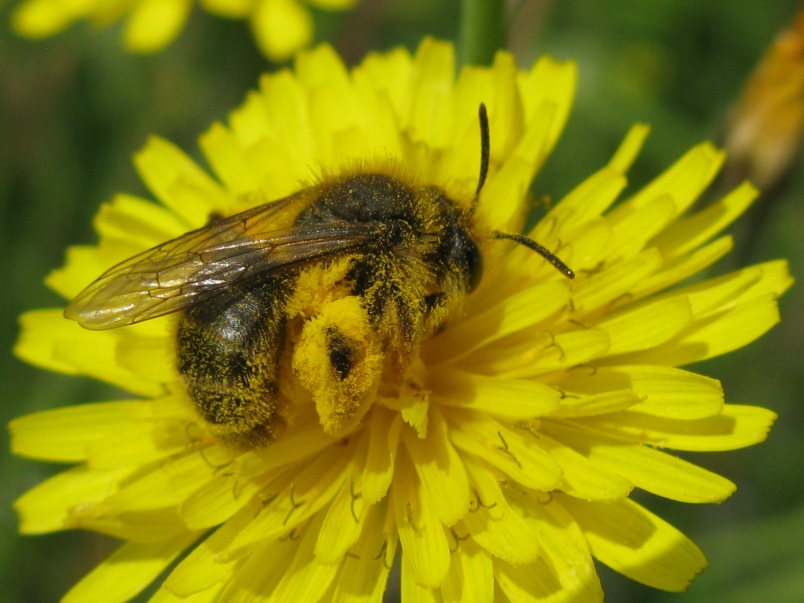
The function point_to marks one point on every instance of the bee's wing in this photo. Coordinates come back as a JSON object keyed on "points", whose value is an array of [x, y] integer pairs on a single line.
{"points": [[200, 264]]}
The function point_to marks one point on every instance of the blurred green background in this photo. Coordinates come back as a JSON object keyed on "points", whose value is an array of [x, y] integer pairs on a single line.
{"points": [[75, 107]]}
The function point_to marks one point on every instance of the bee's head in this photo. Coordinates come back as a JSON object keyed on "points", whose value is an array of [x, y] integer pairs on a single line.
{"points": [[472, 262], [460, 252]]}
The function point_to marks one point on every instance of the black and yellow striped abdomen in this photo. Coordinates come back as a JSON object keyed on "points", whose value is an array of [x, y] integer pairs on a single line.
{"points": [[228, 356]]}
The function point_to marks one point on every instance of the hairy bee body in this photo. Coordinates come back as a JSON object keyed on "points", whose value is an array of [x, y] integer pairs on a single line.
{"points": [[230, 348], [228, 351], [331, 289]]}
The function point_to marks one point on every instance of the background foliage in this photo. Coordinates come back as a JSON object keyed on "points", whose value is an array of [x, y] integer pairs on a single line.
{"points": [[74, 108]]}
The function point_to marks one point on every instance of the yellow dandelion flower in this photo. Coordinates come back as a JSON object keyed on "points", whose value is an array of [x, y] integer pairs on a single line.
{"points": [[496, 455], [281, 27]]}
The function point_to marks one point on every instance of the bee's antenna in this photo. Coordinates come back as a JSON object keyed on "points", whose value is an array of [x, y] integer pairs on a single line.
{"points": [[541, 250], [485, 151], [485, 147]]}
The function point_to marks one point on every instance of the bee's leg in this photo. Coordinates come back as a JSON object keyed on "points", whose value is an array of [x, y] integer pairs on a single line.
{"points": [[339, 359]]}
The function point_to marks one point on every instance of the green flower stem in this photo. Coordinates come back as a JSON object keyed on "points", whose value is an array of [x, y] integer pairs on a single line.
{"points": [[482, 31]]}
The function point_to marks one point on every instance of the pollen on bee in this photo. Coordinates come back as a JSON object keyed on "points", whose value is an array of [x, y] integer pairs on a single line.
{"points": [[339, 359], [318, 285]]}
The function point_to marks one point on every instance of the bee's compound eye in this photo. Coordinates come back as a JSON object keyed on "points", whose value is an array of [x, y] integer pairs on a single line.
{"points": [[474, 264], [339, 360], [460, 254]]}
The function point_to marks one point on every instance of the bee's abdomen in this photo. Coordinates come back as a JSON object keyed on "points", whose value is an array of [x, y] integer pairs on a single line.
{"points": [[228, 354]]}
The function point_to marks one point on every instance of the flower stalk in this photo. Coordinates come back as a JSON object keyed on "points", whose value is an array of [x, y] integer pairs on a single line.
{"points": [[482, 31]]}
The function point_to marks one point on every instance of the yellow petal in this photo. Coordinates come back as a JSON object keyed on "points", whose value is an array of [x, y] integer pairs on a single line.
{"points": [[152, 358], [646, 468], [669, 392], [633, 227], [179, 183], [229, 490], [410, 589], [146, 441], [384, 430], [524, 310], [303, 440], [508, 398], [717, 293], [281, 27], [581, 249], [613, 284], [596, 404], [684, 181], [584, 203], [295, 497], [583, 479], [81, 267], [261, 572], [333, 4], [470, 578], [219, 498], [414, 407], [208, 596], [46, 507], [343, 525], [496, 87], [686, 235], [680, 268], [630, 147], [533, 583], [424, 543], [515, 452], [645, 326], [307, 579], [199, 571], [42, 18], [547, 90], [501, 200], [128, 570], [637, 544], [431, 111], [333, 107], [440, 469], [152, 525], [49, 341], [233, 9], [231, 161], [63, 434], [736, 427], [166, 485], [389, 74], [275, 126], [137, 222], [346, 515], [491, 521], [714, 335], [536, 358], [153, 24], [565, 550], [775, 279], [364, 572], [386, 142]]}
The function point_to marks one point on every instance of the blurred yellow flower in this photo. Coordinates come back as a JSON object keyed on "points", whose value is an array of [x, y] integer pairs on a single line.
{"points": [[281, 27], [504, 463], [765, 129]]}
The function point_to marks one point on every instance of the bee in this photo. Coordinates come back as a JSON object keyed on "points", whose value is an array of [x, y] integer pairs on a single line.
{"points": [[329, 288]]}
